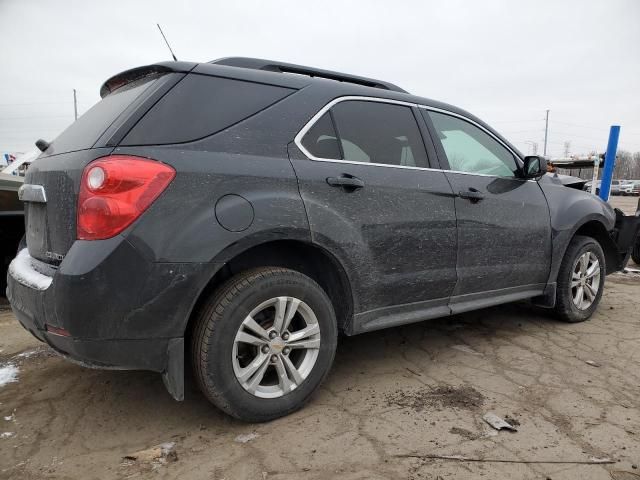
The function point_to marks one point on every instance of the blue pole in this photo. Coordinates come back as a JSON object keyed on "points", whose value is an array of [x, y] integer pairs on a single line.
{"points": [[609, 162]]}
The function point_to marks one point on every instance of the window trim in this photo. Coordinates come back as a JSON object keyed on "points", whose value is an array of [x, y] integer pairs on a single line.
{"points": [[303, 131]]}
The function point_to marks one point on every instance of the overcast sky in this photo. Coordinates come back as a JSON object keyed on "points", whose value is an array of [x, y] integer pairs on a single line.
{"points": [[505, 61]]}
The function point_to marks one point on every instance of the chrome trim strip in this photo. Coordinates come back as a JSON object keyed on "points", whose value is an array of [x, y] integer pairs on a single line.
{"points": [[32, 193], [298, 138]]}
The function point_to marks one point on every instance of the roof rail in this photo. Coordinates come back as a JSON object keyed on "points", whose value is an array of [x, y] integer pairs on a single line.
{"points": [[273, 66]]}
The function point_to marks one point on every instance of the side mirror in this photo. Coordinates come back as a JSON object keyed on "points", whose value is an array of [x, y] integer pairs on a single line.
{"points": [[534, 166]]}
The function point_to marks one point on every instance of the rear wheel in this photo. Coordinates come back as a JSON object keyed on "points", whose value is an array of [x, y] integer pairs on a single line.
{"points": [[263, 343], [580, 280]]}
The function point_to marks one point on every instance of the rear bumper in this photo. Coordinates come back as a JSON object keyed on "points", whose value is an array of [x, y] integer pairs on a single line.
{"points": [[119, 309], [121, 354]]}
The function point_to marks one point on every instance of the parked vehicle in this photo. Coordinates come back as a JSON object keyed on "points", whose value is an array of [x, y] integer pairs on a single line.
{"points": [[245, 211], [587, 187], [11, 223], [630, 187], [616, 187]]}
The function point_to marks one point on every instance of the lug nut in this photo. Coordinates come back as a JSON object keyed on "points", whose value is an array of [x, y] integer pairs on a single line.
{"points": [[273, 334], [286, 350], [265, 349], [274, 358], [285, 336]]}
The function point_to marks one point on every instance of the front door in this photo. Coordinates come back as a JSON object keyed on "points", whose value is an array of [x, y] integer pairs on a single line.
{"points": [[504, 233], [370, 199]]}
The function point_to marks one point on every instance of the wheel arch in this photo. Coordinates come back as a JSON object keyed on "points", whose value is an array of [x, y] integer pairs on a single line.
{"points": [[305, 257], [596, 230]]}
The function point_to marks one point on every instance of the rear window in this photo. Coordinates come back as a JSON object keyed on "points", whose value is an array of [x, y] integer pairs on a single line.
{"points": [[200, 106], [85, 131]]}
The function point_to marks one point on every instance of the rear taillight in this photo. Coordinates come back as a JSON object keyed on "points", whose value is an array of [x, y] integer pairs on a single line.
{"points": [[114, 192]]}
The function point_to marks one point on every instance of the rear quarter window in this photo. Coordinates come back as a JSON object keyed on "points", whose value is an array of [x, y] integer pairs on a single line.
{"points": [[200, 106], [84, 132]]}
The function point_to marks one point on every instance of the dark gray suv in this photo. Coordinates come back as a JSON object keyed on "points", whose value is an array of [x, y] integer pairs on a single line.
{"points": [[242, 212]]}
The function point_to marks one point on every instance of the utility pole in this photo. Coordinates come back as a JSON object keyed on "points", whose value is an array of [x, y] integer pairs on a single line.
{"points": [[546, 132], [75, 104]]}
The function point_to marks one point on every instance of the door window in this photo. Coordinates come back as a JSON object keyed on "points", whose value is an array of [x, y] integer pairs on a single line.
{"points": [[470, 149], [368, 132], [321, 140]]}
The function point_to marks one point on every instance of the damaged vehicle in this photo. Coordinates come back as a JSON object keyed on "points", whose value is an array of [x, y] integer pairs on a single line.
{"points": [[235, 216]]}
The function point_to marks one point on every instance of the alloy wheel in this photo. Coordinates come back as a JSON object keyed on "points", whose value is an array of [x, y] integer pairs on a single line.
{"points": [[276, 347], [585, 280]]}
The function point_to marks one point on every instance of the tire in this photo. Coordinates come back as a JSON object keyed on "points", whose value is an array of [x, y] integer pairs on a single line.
{"points": [[220, 359], [635, 253], [566, 305]]}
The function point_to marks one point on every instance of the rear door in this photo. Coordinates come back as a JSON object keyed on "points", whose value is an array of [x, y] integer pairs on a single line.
{"points": [[504, 233], [371, 198]]}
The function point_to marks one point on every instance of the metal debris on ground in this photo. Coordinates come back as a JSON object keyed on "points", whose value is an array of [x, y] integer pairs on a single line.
{"points": [[163, 453], [498, 423], [246, 438]]}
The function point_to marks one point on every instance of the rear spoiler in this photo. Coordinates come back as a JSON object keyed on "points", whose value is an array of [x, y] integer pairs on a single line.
{"points": [[128, 76]]}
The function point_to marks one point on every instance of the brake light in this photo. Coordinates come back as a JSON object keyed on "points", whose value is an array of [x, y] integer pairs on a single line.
{"points": [[115, 191]]}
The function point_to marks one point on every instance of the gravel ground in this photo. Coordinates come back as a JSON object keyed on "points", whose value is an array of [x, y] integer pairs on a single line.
{"points": [[394, 400]]}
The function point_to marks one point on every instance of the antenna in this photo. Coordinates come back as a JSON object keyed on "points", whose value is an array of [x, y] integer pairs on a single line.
{"points": [[165, 41]]}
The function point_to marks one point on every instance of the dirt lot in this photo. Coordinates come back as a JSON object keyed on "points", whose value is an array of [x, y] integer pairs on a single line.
{"points": [[394, 400]]}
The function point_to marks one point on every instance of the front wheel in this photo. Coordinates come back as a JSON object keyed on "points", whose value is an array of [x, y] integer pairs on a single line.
{"points": [[263, 343], [580, 280]]}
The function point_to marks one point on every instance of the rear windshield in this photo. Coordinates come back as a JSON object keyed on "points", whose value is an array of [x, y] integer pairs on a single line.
{"points": [[200, 106], [85, 131]]}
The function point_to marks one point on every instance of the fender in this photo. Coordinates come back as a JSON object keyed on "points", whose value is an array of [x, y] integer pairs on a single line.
{"points": [[569, 210]]}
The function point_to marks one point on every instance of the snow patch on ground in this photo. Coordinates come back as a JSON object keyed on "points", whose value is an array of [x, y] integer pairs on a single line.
{"points": [[28, 353], [8, 374], [22, 270]]}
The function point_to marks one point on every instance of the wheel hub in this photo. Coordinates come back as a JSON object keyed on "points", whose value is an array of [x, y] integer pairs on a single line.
{"points": [[276, 347]]}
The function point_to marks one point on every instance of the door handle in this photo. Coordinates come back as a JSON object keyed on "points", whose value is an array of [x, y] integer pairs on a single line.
{"points": [[473, 195], [348, 182]]}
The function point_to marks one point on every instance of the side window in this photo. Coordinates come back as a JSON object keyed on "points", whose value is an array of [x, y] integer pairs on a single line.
{"points": [[470, 149], [200, 106], [378, 132], [321, 139]]}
